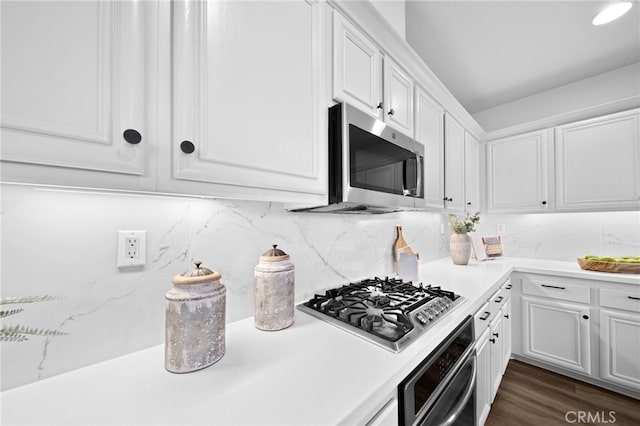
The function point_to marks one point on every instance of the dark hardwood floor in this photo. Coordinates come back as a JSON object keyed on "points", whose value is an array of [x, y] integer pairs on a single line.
{"points": [[531, 396]]}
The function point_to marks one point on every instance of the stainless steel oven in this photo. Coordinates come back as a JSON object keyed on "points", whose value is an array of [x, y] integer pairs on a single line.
{"points": [[441, 390]]}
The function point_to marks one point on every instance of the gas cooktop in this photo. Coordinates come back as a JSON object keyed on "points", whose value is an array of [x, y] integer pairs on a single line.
{"points": [[388, 312]]}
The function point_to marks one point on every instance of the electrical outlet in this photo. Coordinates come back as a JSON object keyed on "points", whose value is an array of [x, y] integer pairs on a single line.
{"points": [[132, 248]]}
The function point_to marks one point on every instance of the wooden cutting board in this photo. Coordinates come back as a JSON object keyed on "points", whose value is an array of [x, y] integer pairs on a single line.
{"points": [[595, 265]]}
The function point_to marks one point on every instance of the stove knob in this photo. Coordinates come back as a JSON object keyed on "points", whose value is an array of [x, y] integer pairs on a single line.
{"points": [[421, 318]]}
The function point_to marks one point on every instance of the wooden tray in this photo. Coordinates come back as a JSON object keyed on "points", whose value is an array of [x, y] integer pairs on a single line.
{"points": [[595, 265]]}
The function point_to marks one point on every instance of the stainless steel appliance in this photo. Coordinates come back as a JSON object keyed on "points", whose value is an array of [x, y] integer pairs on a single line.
{"points": [[388, 312], [441, 390], [372, 167]]}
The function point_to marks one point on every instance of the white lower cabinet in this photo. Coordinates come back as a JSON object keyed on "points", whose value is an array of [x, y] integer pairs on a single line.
{"points": [[493, 348], [587, 329], [620, 338], [557, 332], [496, 337], [506, 333], [483, 381]]}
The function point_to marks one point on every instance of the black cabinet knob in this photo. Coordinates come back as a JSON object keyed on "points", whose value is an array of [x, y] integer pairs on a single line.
{"points": [[187, 147], [391, 111], [492, 340], [544, 203], [507, 316], [469, 203], [379, 105], [496, 334], [132, 136], [585, 316]]}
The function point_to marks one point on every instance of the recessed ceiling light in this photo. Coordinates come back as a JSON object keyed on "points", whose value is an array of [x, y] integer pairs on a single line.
{"points": [[612, 12]]}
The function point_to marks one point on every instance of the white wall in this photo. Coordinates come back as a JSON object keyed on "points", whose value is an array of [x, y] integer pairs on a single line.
{"points": [[602, 94], [394, 12]]}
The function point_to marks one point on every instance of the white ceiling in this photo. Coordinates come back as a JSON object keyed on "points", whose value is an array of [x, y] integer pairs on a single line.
{"points": [[489, 53]]}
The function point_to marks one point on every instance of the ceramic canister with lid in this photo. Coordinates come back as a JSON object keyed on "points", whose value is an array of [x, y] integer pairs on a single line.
{"points": [[274, 291], [195, 320]]}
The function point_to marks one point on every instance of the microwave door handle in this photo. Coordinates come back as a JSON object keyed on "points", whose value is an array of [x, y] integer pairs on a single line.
{"points": [[457, 410], [405, 190], [420, 178]]}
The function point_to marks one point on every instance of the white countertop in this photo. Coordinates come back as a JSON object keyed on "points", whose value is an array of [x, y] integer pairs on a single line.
{"points": [[311, 373]]}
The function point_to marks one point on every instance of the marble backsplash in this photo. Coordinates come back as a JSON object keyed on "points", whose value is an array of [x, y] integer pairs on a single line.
{"points": [[63, 244]]}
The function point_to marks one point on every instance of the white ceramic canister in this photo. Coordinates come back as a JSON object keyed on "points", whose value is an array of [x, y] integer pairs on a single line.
{"points": [[195, 321], [274, 291]]}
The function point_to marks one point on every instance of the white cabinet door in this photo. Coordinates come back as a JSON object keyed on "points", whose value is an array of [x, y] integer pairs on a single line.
{"points": [[471, 173], [398, 97], [620, 348], [246, 98], [506, 333], [454, 165], [429, 131], [483, 378], [357, 68], [557, 333], [597, 163], [496, 341], [73, 90], [517, 173]]}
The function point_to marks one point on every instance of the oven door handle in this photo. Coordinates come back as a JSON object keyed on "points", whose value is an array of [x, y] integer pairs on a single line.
{"points": [[457, 410]]}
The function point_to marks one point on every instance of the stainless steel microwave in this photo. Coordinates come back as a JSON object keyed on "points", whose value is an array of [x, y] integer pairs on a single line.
{"points": [[372, 167]]}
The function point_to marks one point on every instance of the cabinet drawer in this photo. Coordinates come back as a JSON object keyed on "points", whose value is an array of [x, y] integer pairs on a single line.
{"points": [[627, 300], [555, 288], [481, 319], [497, 300]]}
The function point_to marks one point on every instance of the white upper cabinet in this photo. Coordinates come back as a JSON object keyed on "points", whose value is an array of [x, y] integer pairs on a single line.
{"points": [[246, 99], [454, 165], [73, 93], [429, 131], [517, 173], [598, 163], [357, 68], [398, 97], [471, 173]]}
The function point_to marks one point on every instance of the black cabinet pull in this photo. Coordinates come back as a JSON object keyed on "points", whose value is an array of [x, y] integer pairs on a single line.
{"points": [[633, 298], [469, 203], [553, 286], [132, 136], [379, 105], [585, 316], [544, 203], [391, 111], [485, 316], [187, 147], [492, 340], [509, 287], [499, 299]]}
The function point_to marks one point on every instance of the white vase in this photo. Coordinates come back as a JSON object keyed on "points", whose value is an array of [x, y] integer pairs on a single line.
{"points": [[460, 247]]}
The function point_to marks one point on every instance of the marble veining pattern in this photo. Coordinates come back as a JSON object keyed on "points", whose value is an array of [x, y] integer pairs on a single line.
{"points": [[63, 243]]}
